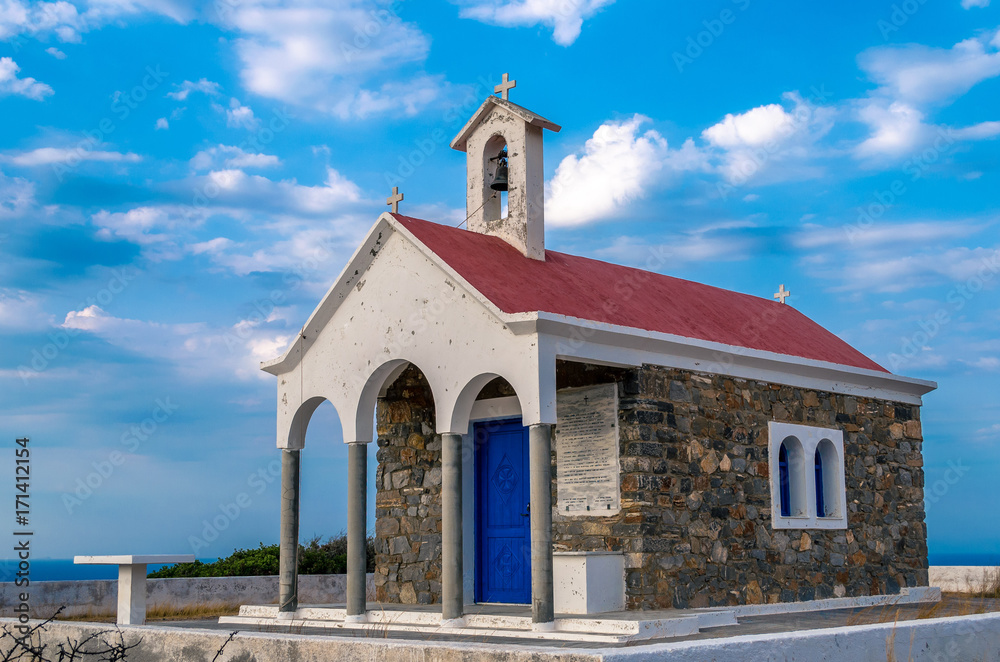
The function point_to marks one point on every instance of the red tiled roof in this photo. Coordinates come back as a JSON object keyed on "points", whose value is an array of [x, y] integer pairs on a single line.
{"points": [[602, 292]]}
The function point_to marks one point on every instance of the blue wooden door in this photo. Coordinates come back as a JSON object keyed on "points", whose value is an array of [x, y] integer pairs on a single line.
{"points": [[503, 534]]}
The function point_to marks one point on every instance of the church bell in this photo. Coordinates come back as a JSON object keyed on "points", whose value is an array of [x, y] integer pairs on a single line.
{"points": [[500, 180]]}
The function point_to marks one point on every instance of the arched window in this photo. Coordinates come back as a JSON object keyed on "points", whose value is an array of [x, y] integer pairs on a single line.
{"points": [[791, 478], [827, 464], [785, 495], [496, 169], [820, 505], [808, 485]]}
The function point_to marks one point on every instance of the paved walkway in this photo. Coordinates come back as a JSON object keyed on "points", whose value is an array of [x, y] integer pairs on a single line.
{"points": [[748, 625]]}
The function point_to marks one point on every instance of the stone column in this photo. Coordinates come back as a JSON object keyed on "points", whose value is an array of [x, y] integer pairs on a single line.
{"points": [[288, 566], [540, 462], [357, 530], [452, 581]]}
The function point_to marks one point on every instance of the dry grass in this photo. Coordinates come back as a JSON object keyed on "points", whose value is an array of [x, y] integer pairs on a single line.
{"points": [[988, 585], [164, 613]]}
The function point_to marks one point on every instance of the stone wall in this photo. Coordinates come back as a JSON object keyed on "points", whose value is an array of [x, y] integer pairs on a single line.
{"points": [[696, 506], [99, 597], [408, 494]]}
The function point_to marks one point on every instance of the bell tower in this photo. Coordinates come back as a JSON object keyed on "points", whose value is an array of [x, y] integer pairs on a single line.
{"points": [[503, 147]]}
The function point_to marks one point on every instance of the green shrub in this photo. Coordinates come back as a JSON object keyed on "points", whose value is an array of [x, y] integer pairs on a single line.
{"points": [[315, 558]]}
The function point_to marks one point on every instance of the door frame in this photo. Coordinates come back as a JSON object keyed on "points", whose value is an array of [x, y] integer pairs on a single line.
{"points": [[493, 409]]}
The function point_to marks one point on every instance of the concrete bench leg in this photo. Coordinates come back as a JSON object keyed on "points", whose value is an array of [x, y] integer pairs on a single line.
{"points": [[132, 594]]}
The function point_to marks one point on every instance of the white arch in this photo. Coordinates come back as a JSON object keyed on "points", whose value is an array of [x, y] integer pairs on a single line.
{"points": [[455, 413], [302, 416], [380, 379], [831, 473], [796, 475]]}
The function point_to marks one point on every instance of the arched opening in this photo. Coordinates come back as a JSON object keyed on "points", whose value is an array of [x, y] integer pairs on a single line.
{"points": [[496, 169], [408, 490], [827, 468], [791, 478]]}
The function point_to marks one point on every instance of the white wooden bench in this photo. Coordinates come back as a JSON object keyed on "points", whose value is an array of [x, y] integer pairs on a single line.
{"points": [[132, 580]]}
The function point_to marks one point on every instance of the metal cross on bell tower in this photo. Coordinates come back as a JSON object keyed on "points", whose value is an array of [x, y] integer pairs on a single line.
{"points": [[504, 88]]}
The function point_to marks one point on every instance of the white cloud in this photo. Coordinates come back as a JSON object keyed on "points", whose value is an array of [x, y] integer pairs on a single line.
{"points": [[884, 235], [194, 349], [56, 53], [766, 136], [17, 17], [203, 85], [407, 98], [51, 155], [328, 54], [25, 87], [705, 245], [162, 124], [968, 4], [240, 116], [228, 156], [64, 20], [237, 190], [16, 196], [919, 74], [211, 247], [899, 257], [617, 166], [913, 81], [565, 18], [980, 131], [20, 310], [154, 228], [897, 128]]}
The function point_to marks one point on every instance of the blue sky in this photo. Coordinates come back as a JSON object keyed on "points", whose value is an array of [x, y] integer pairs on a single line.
{"points": [[180, 182]]}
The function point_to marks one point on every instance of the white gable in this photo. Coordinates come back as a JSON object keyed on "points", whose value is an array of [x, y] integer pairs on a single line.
{"points": [[394, 307]]}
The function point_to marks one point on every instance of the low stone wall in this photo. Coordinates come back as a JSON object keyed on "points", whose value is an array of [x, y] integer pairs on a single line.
{"points": [[100, 596], [961, 578], [963, 638]]}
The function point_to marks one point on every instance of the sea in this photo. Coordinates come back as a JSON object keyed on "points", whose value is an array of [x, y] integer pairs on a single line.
{"points": [[52, 570]]}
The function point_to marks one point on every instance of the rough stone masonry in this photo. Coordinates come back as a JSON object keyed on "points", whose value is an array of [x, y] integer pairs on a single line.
{"points": [[696, 501]]}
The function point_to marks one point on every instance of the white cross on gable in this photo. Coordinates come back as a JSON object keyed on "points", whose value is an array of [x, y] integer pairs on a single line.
{"points": [[394, 199], [782, 294], [504, 88]]}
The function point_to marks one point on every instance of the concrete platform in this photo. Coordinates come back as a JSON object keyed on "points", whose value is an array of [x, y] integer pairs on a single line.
{"points": [[514, 621]]}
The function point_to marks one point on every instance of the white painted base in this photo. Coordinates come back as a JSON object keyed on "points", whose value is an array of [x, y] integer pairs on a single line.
{"points": [[620, 627], [594, 630], [588, 582]]}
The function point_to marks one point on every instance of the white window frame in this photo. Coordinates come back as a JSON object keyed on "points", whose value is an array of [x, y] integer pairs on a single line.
{"points": [[809, 437]]}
